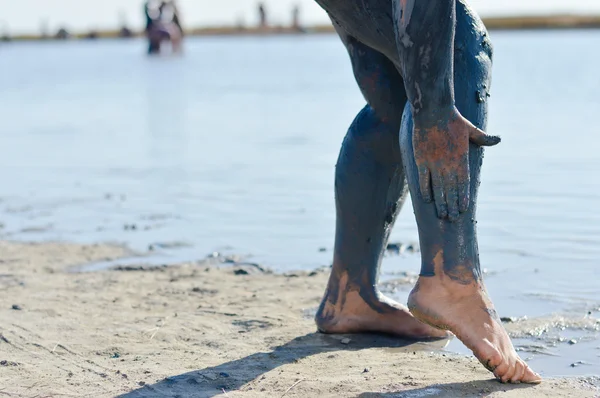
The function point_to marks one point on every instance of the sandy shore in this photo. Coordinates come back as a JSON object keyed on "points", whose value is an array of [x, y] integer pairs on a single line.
{"points": [[198, 331]]}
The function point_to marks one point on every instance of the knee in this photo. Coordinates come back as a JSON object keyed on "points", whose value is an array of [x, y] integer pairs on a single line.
{"points": [[373, 136], [370, 151], [385, 95], [379, 81]]}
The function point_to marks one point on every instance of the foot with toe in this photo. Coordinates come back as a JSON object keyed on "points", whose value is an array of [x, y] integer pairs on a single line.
{"points": [[349, 308], [466, 311]]}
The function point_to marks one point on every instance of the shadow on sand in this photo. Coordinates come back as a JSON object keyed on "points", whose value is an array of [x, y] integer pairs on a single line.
{"points": [[211, 381], [471, 389], [233, 375]]}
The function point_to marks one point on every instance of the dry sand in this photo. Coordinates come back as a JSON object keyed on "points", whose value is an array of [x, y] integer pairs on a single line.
{"points": [[198, 331]]}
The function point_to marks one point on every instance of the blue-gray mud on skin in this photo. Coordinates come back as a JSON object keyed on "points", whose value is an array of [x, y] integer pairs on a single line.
{"points": [[455, 242], [370, 181], [370, 185], [424, 38], [418, 38]]}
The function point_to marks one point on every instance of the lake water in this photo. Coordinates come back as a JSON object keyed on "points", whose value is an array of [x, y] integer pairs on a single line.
{"points": [[232, 148]]}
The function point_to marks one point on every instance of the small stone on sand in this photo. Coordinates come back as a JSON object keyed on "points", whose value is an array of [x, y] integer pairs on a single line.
{"points": [[346, 341]]}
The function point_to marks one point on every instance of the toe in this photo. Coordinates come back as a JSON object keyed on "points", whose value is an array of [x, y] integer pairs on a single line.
{"points": [[507, 376], [500, 371], [519, 372], [494, 363], [530, 376], [498, 367]]}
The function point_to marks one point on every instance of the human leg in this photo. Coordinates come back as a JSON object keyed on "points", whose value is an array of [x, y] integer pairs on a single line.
{"points": [[370, 190], [450, 293], [154, 41]]}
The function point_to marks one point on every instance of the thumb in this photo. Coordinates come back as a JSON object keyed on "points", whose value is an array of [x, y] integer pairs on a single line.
{"points": [[480, 138]]}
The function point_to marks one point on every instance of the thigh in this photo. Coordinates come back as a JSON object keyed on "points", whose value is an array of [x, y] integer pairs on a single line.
{"points": [[369, 21], [472, 70], [376, 72], [472, 66], [377, 77]]}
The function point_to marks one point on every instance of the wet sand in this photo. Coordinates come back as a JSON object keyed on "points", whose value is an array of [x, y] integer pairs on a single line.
{"points": [[195, 330]]}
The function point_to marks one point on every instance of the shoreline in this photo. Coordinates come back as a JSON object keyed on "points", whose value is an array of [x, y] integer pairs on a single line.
{"points": [[542, 22], [202, 331]]}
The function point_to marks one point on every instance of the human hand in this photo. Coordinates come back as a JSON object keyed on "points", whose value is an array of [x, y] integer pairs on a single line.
{"points": [[441, 149]]}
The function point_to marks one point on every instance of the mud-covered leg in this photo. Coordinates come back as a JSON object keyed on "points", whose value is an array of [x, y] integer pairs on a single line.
{"points": [[450, 293], [370, 189]]}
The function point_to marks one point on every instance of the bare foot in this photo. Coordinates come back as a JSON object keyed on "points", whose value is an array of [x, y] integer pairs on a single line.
{"points": [[466, 310], [348, 310]]}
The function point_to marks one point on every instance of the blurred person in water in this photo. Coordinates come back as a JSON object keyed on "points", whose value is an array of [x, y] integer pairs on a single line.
{"points": [[163, 25], [424, 69]]}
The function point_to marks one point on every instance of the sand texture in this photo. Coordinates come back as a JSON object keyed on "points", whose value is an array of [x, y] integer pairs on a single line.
{"points": [[193, 330]]}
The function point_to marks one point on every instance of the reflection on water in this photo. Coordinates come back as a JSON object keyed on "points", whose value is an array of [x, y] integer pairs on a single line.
{"points": [[232, 149]]}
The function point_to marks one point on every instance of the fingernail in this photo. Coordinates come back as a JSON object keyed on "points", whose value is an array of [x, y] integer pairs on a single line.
{"points": [[495, 140]]}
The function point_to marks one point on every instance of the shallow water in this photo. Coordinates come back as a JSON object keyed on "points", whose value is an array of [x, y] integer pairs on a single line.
{"points": [[232, 148]]}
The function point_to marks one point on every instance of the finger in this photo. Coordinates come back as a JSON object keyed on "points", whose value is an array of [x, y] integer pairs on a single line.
{"points": [[437, 183], [480, 138], [451, 190], [425, 183]]}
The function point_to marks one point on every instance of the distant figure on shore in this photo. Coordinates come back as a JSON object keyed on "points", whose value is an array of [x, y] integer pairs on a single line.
{"points": [[296, 18], [175, 12], [63, 34], [125, 32], [162, 24], [262, 15], [5, 32]]}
